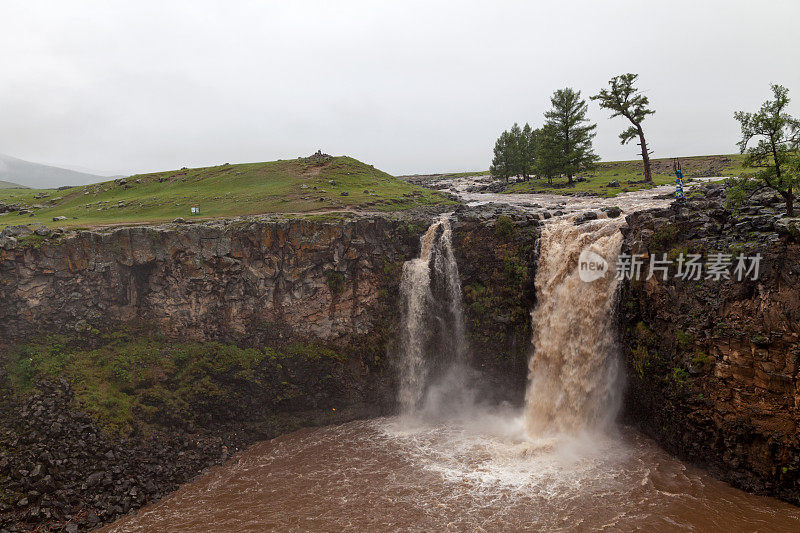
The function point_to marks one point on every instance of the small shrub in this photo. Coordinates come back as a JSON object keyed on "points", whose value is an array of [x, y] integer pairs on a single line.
{"points": [[684, 340], [504, 228], [702, 360], [679, 376], [645, 335], [664, 236], [640, 360], [335, 281]]}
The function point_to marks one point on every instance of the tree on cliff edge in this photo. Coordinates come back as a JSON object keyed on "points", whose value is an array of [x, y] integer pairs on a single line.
{"points": [[625, 100], [571, 132], [514, 151], [776, 153]]}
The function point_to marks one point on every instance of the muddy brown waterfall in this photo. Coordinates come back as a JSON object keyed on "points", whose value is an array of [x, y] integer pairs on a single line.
{"points": [[574, 372], [480, 467]]}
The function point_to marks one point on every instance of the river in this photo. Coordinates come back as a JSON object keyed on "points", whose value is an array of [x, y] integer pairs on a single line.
{"points": [[451, 463]]}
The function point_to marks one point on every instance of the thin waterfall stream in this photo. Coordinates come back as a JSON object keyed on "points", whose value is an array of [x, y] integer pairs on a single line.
{"points": [[432, 364]]}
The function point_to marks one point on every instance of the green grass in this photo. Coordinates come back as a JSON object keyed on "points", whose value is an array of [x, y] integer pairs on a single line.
{"points": [[134, 374], [9, 185], [626, 172], [225, 191]]}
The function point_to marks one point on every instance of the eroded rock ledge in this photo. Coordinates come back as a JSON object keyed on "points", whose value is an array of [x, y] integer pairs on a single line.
{"points": [[713, 365]]}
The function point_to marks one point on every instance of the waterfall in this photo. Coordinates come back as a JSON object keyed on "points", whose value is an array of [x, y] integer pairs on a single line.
{"points": [[432, 337], [573, 373]]}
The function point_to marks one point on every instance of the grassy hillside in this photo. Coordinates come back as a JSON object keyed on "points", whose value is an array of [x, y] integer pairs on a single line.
{"points": [[632, 171], [9, 185], [303, 185]]}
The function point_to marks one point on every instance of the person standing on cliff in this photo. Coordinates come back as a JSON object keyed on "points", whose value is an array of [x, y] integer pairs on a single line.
{"points": [[679, 196]]}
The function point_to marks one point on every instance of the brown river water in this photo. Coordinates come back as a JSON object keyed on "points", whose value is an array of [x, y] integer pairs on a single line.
{"points": [[484, 474], [449, 463]]}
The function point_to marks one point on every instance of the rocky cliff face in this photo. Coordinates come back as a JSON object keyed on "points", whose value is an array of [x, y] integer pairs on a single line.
{"points": [[713, 365], [317, 297], [300, 277], [263, 282]]}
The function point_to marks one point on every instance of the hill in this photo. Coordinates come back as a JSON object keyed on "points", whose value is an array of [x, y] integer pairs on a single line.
{"points": [[41, 176], [305, 185], [9, 185]]}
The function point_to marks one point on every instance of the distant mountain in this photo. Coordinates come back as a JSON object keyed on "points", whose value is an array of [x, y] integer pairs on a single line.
{"points": [[41, 176], [9, 185]]}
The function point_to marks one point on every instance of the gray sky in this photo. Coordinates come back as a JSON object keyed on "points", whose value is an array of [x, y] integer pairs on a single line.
{"points": [[124, 87]]}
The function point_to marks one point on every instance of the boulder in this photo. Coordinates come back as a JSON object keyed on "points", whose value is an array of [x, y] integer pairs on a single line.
{"points": [[16, 231], [58, 219], [585, 217], [7, 243], [765, 197], [789, 226]]}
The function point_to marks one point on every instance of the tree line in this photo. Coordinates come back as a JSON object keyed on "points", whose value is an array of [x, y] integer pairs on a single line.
{"points": [[562, 146]]}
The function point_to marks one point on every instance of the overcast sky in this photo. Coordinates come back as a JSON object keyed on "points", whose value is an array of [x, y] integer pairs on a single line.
{"points": [[411, 87]]}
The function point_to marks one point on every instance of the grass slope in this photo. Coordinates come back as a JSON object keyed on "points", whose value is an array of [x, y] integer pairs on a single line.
{"points": [[301, 185], [9, 185], [633, 171]]}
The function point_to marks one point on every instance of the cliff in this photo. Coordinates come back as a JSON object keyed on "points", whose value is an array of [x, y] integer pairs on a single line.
{"points": [[225, 279], [713, 364], [185, 342]]}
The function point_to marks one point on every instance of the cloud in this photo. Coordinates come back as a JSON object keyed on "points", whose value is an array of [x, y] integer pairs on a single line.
{"points": [[408, 86]]}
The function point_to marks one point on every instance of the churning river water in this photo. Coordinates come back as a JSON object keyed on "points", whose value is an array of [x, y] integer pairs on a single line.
{"points": [[482, 474], [449, 463]]}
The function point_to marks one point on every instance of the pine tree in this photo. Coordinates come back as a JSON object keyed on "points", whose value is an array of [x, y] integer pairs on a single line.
{"points": [[571, 131], [776, 153], [549, 154], [512, 154], [528, 150], [623, 99], [503, 160], [519, 165]]}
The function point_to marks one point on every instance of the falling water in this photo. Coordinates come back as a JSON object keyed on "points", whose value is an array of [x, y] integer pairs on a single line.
{"points": [[574, 373], [430, 288], [480, 468]]}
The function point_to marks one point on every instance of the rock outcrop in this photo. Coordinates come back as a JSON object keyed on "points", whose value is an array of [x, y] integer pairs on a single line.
{"points": [[320, 292], [241, 278], [713, 364]]}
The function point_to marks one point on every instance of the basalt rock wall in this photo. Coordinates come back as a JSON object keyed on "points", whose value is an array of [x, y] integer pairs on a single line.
{"points": [[229, 279], [713, 364], [272, 281]]}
